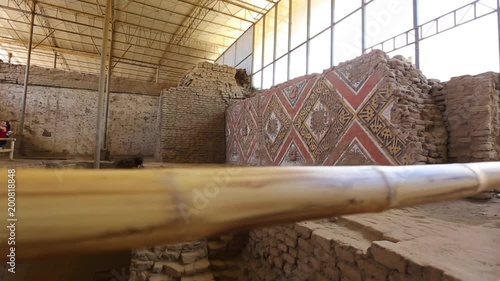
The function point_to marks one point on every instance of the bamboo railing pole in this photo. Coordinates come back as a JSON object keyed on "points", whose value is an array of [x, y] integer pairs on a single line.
{"points": [[69, 212]]}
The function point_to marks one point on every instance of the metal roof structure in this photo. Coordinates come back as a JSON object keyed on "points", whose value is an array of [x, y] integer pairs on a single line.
{"points": [[151, 40]]}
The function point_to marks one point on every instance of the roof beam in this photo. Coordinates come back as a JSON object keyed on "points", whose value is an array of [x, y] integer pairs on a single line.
{"points": [[176, 24], [99, 29], [184, 32], [116, 49], [252, 9], [195, 41], [46, 53], [212, 10], [79, 53]]}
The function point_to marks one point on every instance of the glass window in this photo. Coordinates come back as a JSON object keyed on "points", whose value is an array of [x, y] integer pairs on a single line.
{"points": [[321, 11], [387, 18], [462, 50], [347, 38], [267, 79], [344, 8], [269, 37], [319, 52], [229, 55], [257, 80], [299, 22], [298, 62], [281, 70], [244, 46], [257, 47], [282, 28]]}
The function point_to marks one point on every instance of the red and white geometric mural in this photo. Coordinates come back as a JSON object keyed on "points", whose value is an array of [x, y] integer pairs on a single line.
{"points": [[343, 116]]}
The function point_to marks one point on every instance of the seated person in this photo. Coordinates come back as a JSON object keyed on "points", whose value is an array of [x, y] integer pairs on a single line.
{"points": [[4, 132]]}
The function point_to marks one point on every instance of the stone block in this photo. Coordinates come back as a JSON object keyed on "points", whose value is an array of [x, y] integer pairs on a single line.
{"points": [[343, 252], [350, 271], [173, 269], [306, 245], [332, 273], [288, 258], [291, 241], [142, 265], [288, 268], [282, 247], [387, 257], [191, 257], [373, 270], [304, 229], [197, 267], [279, 262]]}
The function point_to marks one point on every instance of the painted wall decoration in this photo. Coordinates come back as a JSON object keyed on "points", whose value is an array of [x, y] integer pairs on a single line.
{"points": [[363, 112]]}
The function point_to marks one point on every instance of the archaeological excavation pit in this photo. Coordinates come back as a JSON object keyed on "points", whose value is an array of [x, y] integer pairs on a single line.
{"points": [[250, 140]]}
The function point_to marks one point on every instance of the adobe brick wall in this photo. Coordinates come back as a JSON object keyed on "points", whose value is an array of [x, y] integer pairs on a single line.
{"points": [[63, 121], [61, 109], [49, 77], [471, 107], [192, 115], [393, 246]]}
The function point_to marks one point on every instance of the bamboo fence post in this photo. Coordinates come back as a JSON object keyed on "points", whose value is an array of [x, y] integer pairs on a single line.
{"points": [[69, 212]]}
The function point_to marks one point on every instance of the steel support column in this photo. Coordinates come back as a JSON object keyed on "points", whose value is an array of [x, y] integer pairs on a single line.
{"points": [[308, 47], [55, 59], [332, 61], [363, 26], [102, 76], [417, 34], [289, 40], [263, 50], [108, 83], [498, 26], [27, 70], [275, 37]]}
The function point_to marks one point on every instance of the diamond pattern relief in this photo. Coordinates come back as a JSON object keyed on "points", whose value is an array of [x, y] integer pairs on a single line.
{"points": [[340, 117], [355, 154], [293, 92], [246, 130], [322, 119], [276, 124], [293, 156], [375, 115], [355, 81], [236, 112], [234, 155]]}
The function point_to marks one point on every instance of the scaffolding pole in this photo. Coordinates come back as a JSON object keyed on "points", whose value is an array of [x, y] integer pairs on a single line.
{"points": [[27, 71], [102, 76]]}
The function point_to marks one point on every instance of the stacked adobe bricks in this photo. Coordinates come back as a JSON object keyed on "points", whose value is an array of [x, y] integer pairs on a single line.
{"points": [[471, 108], [191, 116], [185, 262]]}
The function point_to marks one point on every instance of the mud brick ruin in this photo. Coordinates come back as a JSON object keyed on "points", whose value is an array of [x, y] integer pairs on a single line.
{"points": [[368, 111]]}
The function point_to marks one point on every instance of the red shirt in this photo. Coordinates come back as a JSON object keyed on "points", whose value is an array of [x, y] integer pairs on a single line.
{"points": [[3, 134]]}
